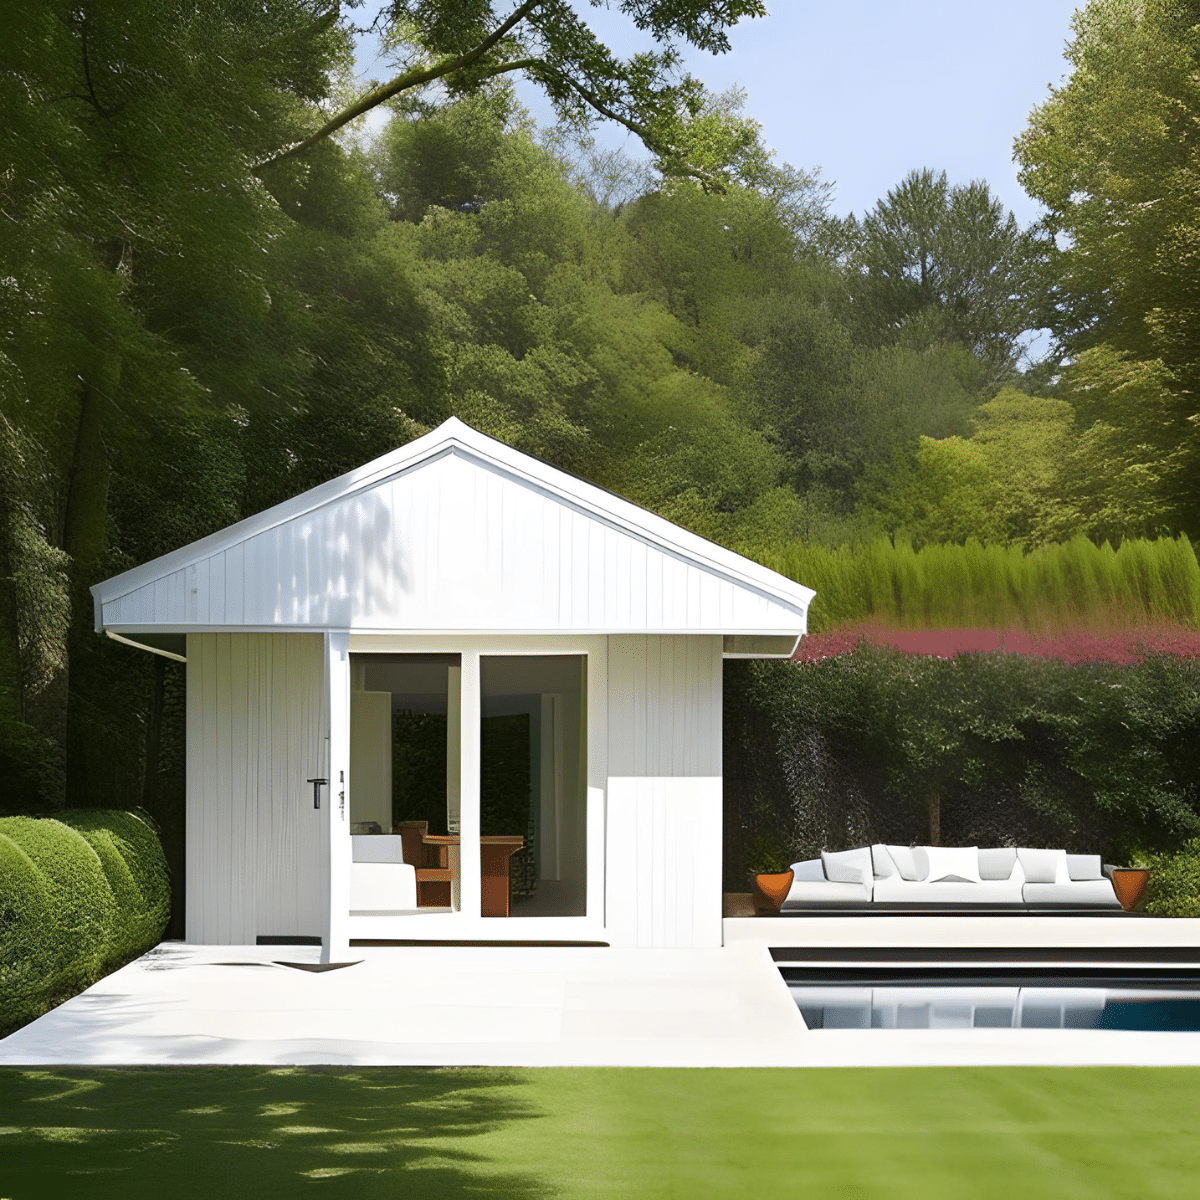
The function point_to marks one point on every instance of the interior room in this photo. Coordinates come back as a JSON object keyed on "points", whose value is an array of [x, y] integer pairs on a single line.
{"points": [[405, 756], [532, 777]]}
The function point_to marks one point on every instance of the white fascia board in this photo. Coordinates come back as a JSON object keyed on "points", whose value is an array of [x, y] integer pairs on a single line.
{"points": [[128, 631], [453, 435]]}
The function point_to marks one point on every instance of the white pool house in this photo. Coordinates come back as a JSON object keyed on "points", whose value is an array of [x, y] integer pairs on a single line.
{"points": [[504, 681]]}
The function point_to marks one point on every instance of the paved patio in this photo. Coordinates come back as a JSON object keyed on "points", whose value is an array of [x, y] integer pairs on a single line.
{"points": [[518, 1006]]}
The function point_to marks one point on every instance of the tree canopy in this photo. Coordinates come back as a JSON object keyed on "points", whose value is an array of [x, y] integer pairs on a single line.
{"points": [[214, 297], [1114, 155]]}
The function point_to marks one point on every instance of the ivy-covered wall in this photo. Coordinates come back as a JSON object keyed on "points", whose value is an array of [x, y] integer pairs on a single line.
{"points": [[986, 749]]}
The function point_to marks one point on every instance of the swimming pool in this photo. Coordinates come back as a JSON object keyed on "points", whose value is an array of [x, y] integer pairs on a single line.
{"points": [[973, 1007], [900, 991]]}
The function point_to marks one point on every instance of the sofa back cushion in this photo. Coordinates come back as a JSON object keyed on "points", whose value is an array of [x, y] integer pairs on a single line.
{"points": [[1084, 866], [881, 862], [911, 861], [1043, 866], [808, 871], [953, 864], [997, 863], [847, 866], [376, 848]]}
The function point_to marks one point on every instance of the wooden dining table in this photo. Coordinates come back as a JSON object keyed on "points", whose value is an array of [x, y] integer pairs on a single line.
{"points": [[495, 851]]}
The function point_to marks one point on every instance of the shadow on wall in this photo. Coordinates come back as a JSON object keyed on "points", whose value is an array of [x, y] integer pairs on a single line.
{"points": [[202, 1131]]}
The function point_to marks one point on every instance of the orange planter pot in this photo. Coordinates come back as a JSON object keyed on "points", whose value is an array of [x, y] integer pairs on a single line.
{"points": [[772, 889], [1130, 885]]}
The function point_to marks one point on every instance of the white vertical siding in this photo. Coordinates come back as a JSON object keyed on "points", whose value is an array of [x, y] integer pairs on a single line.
{"points": [[663, 832], [663, 859], [253, 737], [664, 705], [457, 544]]}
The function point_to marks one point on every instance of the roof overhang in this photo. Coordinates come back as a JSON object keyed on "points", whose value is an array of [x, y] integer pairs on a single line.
{"points": [[165, 598]]}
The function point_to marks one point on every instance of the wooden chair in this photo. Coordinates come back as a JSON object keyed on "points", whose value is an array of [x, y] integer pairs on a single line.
{"points": [[433, 878]]}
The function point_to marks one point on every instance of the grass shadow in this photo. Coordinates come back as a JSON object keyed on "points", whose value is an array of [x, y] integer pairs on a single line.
{"points": [[245, 1131]]}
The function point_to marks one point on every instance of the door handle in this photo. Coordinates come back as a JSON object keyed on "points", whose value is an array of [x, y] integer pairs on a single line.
{"points": [[317, 791]]}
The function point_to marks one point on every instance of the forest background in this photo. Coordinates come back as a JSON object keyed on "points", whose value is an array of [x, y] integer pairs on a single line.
{"points": [[214, 296]]}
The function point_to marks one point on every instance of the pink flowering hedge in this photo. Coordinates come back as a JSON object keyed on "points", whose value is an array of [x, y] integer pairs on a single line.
{"points": [[1070, 646]]}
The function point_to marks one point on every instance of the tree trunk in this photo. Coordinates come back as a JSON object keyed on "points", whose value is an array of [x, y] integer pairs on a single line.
{"points": [[85, 511], [935, 819], [81, 536]]}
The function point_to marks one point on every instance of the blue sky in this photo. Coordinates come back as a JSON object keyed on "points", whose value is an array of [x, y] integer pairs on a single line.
{"points": [[869, 89]]}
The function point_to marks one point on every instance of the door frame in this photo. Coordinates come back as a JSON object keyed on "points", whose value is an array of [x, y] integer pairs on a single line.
{"points": [[467, 924]]}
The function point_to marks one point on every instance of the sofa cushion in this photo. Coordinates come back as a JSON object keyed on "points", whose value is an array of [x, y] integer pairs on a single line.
{"points": [[1043, 866], [911, 862], [848, 866], [376, 848], [810, 870], [1082, 867], [881, 862], [805, 893], [382, 887], [1084, 893], [997, 862], [897, 891], [953, 864]]}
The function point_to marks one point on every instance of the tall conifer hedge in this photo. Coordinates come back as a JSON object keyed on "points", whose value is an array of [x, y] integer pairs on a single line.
{"points": [[1074, 584]]}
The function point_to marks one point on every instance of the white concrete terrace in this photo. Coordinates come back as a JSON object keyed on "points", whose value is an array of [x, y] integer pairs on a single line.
{"points": [[565, 1005]]}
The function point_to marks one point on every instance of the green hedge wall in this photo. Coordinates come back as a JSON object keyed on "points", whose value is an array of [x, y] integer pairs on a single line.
{"points": [[1069, 584], [1009, 750], [80, 895], [1174, 889]]}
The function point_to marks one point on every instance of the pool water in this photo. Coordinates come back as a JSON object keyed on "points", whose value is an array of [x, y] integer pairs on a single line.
{"points": [[829, 1005]]}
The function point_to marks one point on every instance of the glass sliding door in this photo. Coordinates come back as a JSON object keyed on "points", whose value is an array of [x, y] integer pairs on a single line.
{"points": [[405, 760], [533, 794]]}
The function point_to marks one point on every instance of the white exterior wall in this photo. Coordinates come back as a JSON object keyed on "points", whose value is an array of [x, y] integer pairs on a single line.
{"points": [[663, 826], [255, 734], [453, 543]]}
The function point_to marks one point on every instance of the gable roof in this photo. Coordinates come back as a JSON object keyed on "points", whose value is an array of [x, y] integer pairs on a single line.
{"points": [[454, 531]]}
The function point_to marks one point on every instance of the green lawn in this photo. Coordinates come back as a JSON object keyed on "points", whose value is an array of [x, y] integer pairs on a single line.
{"points": [[214, 1132]]}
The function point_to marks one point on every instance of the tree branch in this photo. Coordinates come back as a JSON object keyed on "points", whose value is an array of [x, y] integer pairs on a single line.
{"points": [[705, 178], [411, 79], [80, 24], [603, 109]]}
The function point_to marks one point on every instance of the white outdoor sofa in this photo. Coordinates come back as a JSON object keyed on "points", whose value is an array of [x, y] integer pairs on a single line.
{"points": [[950, 877], [380, 879]]}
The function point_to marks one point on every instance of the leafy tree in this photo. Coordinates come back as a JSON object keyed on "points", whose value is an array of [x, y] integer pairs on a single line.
{"points": [[1114, 155], [462, 44], [719, 147], [937, 262], [1038, 470], [130, 214], [1123, 473], [1000, 485]]}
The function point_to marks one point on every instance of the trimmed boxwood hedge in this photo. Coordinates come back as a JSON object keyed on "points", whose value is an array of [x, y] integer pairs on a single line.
{"points": [[80, 895]]}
